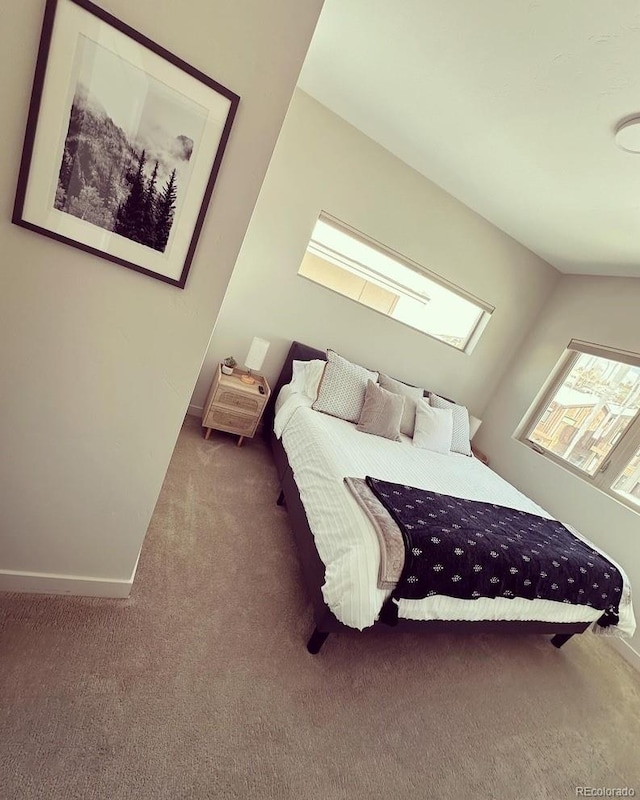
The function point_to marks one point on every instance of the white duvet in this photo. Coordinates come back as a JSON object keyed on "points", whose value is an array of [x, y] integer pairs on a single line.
{"points": [[323, 450]]}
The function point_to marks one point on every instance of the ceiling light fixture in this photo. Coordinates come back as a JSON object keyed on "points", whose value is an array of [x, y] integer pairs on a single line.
{"points": [[628, 135]]}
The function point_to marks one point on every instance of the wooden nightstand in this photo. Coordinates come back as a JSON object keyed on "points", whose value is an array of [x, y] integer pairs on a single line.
{"points": [[234, 406]]}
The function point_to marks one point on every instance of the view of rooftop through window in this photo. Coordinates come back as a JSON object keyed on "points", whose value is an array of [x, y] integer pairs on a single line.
{"points": [[348, 263], [587, 416]]}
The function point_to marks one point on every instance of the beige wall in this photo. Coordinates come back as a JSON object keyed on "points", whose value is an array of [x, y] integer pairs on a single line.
{"points": [[322, 163], [601, 310], [97, 362]]}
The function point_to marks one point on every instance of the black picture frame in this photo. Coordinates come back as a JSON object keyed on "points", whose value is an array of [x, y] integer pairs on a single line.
{"points": [[96, 79]]}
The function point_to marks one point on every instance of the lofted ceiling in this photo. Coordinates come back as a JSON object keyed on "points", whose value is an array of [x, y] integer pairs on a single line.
{"points": [[509, 105]]}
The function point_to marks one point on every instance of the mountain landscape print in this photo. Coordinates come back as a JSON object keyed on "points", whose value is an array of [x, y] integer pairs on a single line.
{"points": [[126, 161]]}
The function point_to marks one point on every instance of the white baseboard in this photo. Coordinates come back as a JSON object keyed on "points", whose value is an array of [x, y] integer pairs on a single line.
{"points": [[629, 653], [195, 411], [43, 583]]}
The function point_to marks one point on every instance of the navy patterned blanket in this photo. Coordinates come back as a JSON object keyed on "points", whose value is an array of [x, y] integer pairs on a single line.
{"points": [[468, 549]]}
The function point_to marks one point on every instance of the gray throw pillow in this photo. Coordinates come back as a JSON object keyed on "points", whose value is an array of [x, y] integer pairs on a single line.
{"points": [[381, 412], [411, 395]]}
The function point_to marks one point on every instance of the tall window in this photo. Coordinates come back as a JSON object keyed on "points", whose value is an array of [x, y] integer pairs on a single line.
{"points": [[349, 263], [589, 420]]}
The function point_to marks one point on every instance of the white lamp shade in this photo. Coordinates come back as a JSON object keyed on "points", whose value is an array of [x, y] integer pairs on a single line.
{"points": [[474, 424], [257, 352]]}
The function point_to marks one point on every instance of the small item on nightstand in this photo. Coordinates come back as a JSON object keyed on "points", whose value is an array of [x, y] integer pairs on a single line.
{"points": [[228, 364], [261, 389]]}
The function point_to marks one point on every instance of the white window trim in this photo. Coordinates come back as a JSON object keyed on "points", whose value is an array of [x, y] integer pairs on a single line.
{"points": [[485, 309], [624, 449]]}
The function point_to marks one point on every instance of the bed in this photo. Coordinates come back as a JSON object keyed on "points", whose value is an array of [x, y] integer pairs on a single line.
{"points": [[338, 547]]}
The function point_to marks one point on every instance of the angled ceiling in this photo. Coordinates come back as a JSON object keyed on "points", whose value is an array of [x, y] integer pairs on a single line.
{"points": [[509, 106]]}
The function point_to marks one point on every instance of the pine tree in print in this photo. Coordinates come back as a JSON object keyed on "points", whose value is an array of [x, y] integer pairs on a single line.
{"points": [[165, 212], [150, 202], [130, 217]]}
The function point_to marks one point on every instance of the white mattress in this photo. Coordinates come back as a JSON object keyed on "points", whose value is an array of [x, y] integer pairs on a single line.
{"points": [[323, 450]]}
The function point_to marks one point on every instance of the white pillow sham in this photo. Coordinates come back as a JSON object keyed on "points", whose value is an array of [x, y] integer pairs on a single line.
{"points": [[434, 428], [298, 376], [460, 442], [306, 376]]}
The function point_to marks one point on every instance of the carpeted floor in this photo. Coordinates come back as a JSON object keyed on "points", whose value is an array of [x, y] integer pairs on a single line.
{"points": [[199, 685]]}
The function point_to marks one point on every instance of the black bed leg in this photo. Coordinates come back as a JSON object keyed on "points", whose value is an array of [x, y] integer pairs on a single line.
{"points": [[318, 638], [280, 500], [560, 638]]}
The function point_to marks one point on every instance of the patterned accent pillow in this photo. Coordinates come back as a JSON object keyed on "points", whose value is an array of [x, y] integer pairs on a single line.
{"points": [[381, 412], [342, 388], [411, 395], [460, 441]]}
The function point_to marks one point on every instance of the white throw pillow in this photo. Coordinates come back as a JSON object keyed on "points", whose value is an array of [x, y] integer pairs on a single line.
{"points": [[434, 428], [411, 394], [298, 376], [461, 439], [306, 376], [342, 388], [313, 376]]}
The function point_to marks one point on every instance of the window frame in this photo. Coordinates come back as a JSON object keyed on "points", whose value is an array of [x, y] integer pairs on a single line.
{"points": [[485, 309], [628, 441]]}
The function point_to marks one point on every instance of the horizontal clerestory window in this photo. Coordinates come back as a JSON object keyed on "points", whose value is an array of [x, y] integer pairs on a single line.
{"points": [[345, 261]]}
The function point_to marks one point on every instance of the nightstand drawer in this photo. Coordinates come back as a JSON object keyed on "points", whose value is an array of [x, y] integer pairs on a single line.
{"points": [[244, 403], [225, 420]]}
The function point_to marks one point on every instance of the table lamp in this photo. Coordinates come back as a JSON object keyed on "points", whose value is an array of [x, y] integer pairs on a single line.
{"points": [[255, 358]]}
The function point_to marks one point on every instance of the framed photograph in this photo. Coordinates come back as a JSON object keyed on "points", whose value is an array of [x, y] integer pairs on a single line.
{"points": [[123, 144]]}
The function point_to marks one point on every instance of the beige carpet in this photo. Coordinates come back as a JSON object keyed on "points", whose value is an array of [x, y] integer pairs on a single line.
{"points": [[199, 685]]}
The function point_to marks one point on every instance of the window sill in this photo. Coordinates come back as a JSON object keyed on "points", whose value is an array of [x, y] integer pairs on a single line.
{"points": [[568, 470]]}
